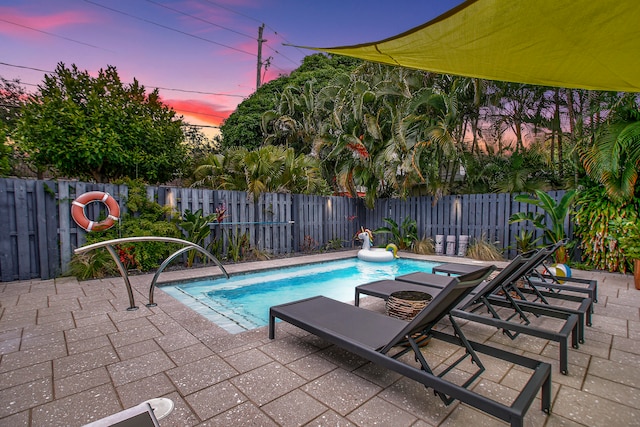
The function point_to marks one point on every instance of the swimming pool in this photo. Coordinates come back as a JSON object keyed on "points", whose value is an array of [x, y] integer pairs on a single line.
{"points": [[242, 302]]}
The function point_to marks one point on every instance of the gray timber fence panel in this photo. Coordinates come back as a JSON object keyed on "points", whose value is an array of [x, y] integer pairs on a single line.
{"points": [[38, 234]]}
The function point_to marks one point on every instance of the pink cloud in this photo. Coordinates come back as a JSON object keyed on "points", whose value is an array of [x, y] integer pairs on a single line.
{"points": [[203, 111], [39, 22]]}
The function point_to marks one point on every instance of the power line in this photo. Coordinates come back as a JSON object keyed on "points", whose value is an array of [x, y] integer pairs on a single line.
{"points": [[54, 35], [152, 87], [200, 19], [169, 28], [260, 22], [199, 113]]}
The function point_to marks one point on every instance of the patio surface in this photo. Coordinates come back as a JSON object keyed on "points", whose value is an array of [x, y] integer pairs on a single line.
{"points": [[71, 353]]}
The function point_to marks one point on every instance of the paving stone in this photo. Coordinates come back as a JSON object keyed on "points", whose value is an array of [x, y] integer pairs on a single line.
{"points": [[9, 345], [380, 412], [176, 341], [81, 362], [377, 374], [24, 396], [32, 331], [132, 336], [136, 323], [43, 340], [32, 356], [90, 331], [414, 398], [144, 389], [624, 357], [343, 358], [331, 418], [81, 382], [619, 372], [610, 325], [25, 375], [294, 409], [137, 349], [589, 410], [612, 391], [312, 366], [245, 414], [139, 367], [288, 349], [216, 399], [267, 382], [19, 419], [190, 354], [248, 360], [78, 409], [182, 415], [626, 344], [83, 346], [200, 374], [53, 318], [342, 391]]}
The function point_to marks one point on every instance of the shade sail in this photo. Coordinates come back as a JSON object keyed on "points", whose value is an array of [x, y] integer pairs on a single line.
{"points": [[588, 44]]}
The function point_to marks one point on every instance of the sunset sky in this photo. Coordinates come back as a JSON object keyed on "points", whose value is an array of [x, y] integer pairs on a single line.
{"points": [[202, 54]]}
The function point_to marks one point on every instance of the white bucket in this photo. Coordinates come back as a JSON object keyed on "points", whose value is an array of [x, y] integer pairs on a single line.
{"points": [[451, 245], [439, 243]]}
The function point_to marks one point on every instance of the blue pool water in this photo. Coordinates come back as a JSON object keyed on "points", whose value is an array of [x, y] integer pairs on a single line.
{"points": [[242, 302]]}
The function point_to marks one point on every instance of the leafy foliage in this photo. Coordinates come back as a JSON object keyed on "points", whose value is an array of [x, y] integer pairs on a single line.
{"points": [[243, 128], [600, 222], [92, 265], [196, 228], [97, 128], [403, 236], [613, 159], [265, 169], [556, 212]]}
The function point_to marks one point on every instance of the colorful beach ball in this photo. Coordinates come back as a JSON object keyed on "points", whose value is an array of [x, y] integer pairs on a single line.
{"points": [[560, 270]]}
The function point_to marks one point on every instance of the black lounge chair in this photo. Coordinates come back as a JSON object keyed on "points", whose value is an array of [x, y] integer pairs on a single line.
{"points": [[373, 336], [484, 296], [536, 285], [544, 284]]}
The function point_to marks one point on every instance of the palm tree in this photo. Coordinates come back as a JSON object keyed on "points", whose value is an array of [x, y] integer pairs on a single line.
{"points": [[613, 158]]}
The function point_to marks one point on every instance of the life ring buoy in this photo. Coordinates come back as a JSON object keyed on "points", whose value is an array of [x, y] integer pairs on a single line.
{"points": [[80, 216]]}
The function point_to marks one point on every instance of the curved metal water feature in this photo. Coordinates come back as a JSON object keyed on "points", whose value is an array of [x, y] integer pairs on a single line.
{"points": [[123, 271]]}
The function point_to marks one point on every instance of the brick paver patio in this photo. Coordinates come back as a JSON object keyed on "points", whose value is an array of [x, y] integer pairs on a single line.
{"points": [[71, 353]]}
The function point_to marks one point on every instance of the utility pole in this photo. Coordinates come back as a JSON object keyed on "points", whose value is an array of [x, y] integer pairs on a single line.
{"points": [[260, 41]]}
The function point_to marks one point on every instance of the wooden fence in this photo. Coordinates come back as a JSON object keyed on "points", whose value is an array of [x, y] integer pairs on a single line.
{"points": [[38, 235]]}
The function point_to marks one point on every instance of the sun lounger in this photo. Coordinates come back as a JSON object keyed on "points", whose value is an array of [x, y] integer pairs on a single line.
{"points": [[484, 297], [376, 337]]}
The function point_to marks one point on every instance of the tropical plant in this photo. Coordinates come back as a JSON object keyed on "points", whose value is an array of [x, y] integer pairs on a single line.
{"points": [[596, 217], [92, 265], [613, 158], [334, 244], [627, 233], [403, 236], [237, 244], [196, 227], [557, 213], [526, 241]]}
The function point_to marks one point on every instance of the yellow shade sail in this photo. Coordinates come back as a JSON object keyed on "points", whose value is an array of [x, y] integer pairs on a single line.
{"points": [[588, 44]]}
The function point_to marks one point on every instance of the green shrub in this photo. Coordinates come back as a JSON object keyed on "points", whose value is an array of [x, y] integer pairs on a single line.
{"points": [[92, 265]]}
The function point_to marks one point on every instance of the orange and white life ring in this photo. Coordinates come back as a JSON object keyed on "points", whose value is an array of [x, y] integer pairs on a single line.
{"points": [[80, 216]]}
